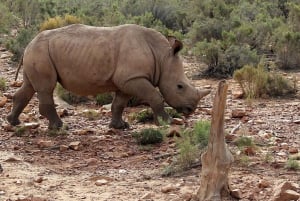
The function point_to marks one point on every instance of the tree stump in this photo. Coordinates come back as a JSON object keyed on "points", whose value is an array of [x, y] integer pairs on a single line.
{"points": [[217, 159]]}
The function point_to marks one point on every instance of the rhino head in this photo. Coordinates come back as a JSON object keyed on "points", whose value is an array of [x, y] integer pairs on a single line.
{"points": [[174, 85]]}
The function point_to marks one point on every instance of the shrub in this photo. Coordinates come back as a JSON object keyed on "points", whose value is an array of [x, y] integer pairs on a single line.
{"points": [[67, 96], [244, 142], [2, 84], [17, 45], [56, 22], [223, 59], [103, 99], [149, 136], [292, 164], [202, 131], [90, 114], [257, 82]]}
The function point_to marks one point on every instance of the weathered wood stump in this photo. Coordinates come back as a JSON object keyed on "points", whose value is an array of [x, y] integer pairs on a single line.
{"points": [[217, 160]]}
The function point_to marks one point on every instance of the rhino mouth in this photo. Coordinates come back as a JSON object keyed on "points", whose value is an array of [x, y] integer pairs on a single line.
{"points": [[186, 110]]}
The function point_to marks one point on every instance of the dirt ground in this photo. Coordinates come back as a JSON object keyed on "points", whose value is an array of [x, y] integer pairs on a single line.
{"points": [[92, 162]]}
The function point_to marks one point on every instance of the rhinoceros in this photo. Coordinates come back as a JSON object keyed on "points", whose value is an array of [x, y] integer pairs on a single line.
{"points": [[130, 60]]}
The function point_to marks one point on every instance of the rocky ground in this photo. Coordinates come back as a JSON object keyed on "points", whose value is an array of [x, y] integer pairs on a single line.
{"points": [[92, 162]]}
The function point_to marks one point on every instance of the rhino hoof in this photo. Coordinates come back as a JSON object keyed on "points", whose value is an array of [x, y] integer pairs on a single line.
{"points": [[12, 121], [118, 125]]}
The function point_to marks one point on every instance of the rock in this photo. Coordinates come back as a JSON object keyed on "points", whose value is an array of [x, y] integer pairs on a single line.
{"points": [[31, 125], [74, 145], [293, 150], [236, 193], [2, 192], [16, 84], [230, 137], [186, 193], [4, 56], [101, 182], [39, 180], [264, 184], [3, 101], [237, 94], [7, 127], [177, 121], [168, 188], [85, 132], [63, 148], [147, 196], [286, 191], [45, 144], [287, 196], [249, 151], [1, 169], [92, 161], [297, 121], [238, 113], [174, 131]]}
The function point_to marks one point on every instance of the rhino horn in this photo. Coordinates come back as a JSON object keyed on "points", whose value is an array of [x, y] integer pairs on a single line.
{"points": [[203, 93]]}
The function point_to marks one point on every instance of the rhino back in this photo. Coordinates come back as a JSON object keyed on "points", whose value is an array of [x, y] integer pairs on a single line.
{"points": [[91, 60]]}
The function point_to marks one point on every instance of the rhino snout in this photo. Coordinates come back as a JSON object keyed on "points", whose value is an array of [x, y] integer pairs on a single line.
{"points": [[186, 110]]}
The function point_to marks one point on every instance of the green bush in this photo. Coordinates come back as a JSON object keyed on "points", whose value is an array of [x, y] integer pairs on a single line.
{"points": [[17, 45], [56, 22], [2, 84], [148, 136], [256, 82], [103, 99], [292, 164]]}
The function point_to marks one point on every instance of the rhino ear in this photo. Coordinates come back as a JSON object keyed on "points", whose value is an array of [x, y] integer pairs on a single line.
{"points": [[175, 44]]}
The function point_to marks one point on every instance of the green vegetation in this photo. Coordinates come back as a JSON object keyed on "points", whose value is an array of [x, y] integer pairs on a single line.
{"points": [[256, 82], [244, 142], [91, 114], [20, 131], [146, 115], [103, 99], [292, 164], [58, 132], [226, 35], [149, 136], [2, 84]]}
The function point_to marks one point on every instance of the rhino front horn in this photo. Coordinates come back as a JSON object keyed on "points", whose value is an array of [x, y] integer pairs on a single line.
{"points": [[203, 93]]}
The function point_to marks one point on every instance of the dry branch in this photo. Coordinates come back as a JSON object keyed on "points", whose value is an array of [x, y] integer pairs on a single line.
{"points": [[217, 160]]}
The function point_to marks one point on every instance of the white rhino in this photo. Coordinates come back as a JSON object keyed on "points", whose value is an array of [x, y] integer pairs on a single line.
{"points": [[129, 60]]}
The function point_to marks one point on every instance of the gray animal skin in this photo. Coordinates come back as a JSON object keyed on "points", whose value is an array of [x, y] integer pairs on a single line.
{"points": [[129, 60]]}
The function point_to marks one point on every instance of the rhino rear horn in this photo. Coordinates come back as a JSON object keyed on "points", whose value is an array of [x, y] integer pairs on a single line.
{"points": [[175, 44], [203, 93]]}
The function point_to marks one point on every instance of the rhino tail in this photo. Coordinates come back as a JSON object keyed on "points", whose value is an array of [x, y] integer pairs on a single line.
{"points": [[19, 67]]}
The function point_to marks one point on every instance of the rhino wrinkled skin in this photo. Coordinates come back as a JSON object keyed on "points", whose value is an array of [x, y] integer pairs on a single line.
{"points": [[130, 60]]}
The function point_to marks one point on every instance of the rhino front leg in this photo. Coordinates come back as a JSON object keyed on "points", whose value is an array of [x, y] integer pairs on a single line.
{"points": [[47, 109], [144, 90], [119, 103]]}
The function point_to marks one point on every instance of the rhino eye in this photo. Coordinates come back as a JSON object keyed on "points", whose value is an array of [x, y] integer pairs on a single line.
{"points": [[179, 86]]}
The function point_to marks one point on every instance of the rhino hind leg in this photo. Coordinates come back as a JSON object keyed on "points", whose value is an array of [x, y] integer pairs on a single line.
{"points": [[119, 103], [47, 109], [20, 101]]}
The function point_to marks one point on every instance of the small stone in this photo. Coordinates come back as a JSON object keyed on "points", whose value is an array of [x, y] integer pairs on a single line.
{"points": [[4, 56], [122, 171], [92, 161], [85, 132], [236, 193], [16, 84], [230, 137], [2, 192], [297, 121], [101, 182], [7, 127], [263, 184], [177, 121], [237, 94], [45, 144], [63, 148], [174, 131], [293, 150], [31, 125], [290, 195], [147, 196], [249, 151], [39, 180], [74, 145], [238, 113], [18, 182], [168, 188], [3, 101]]}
